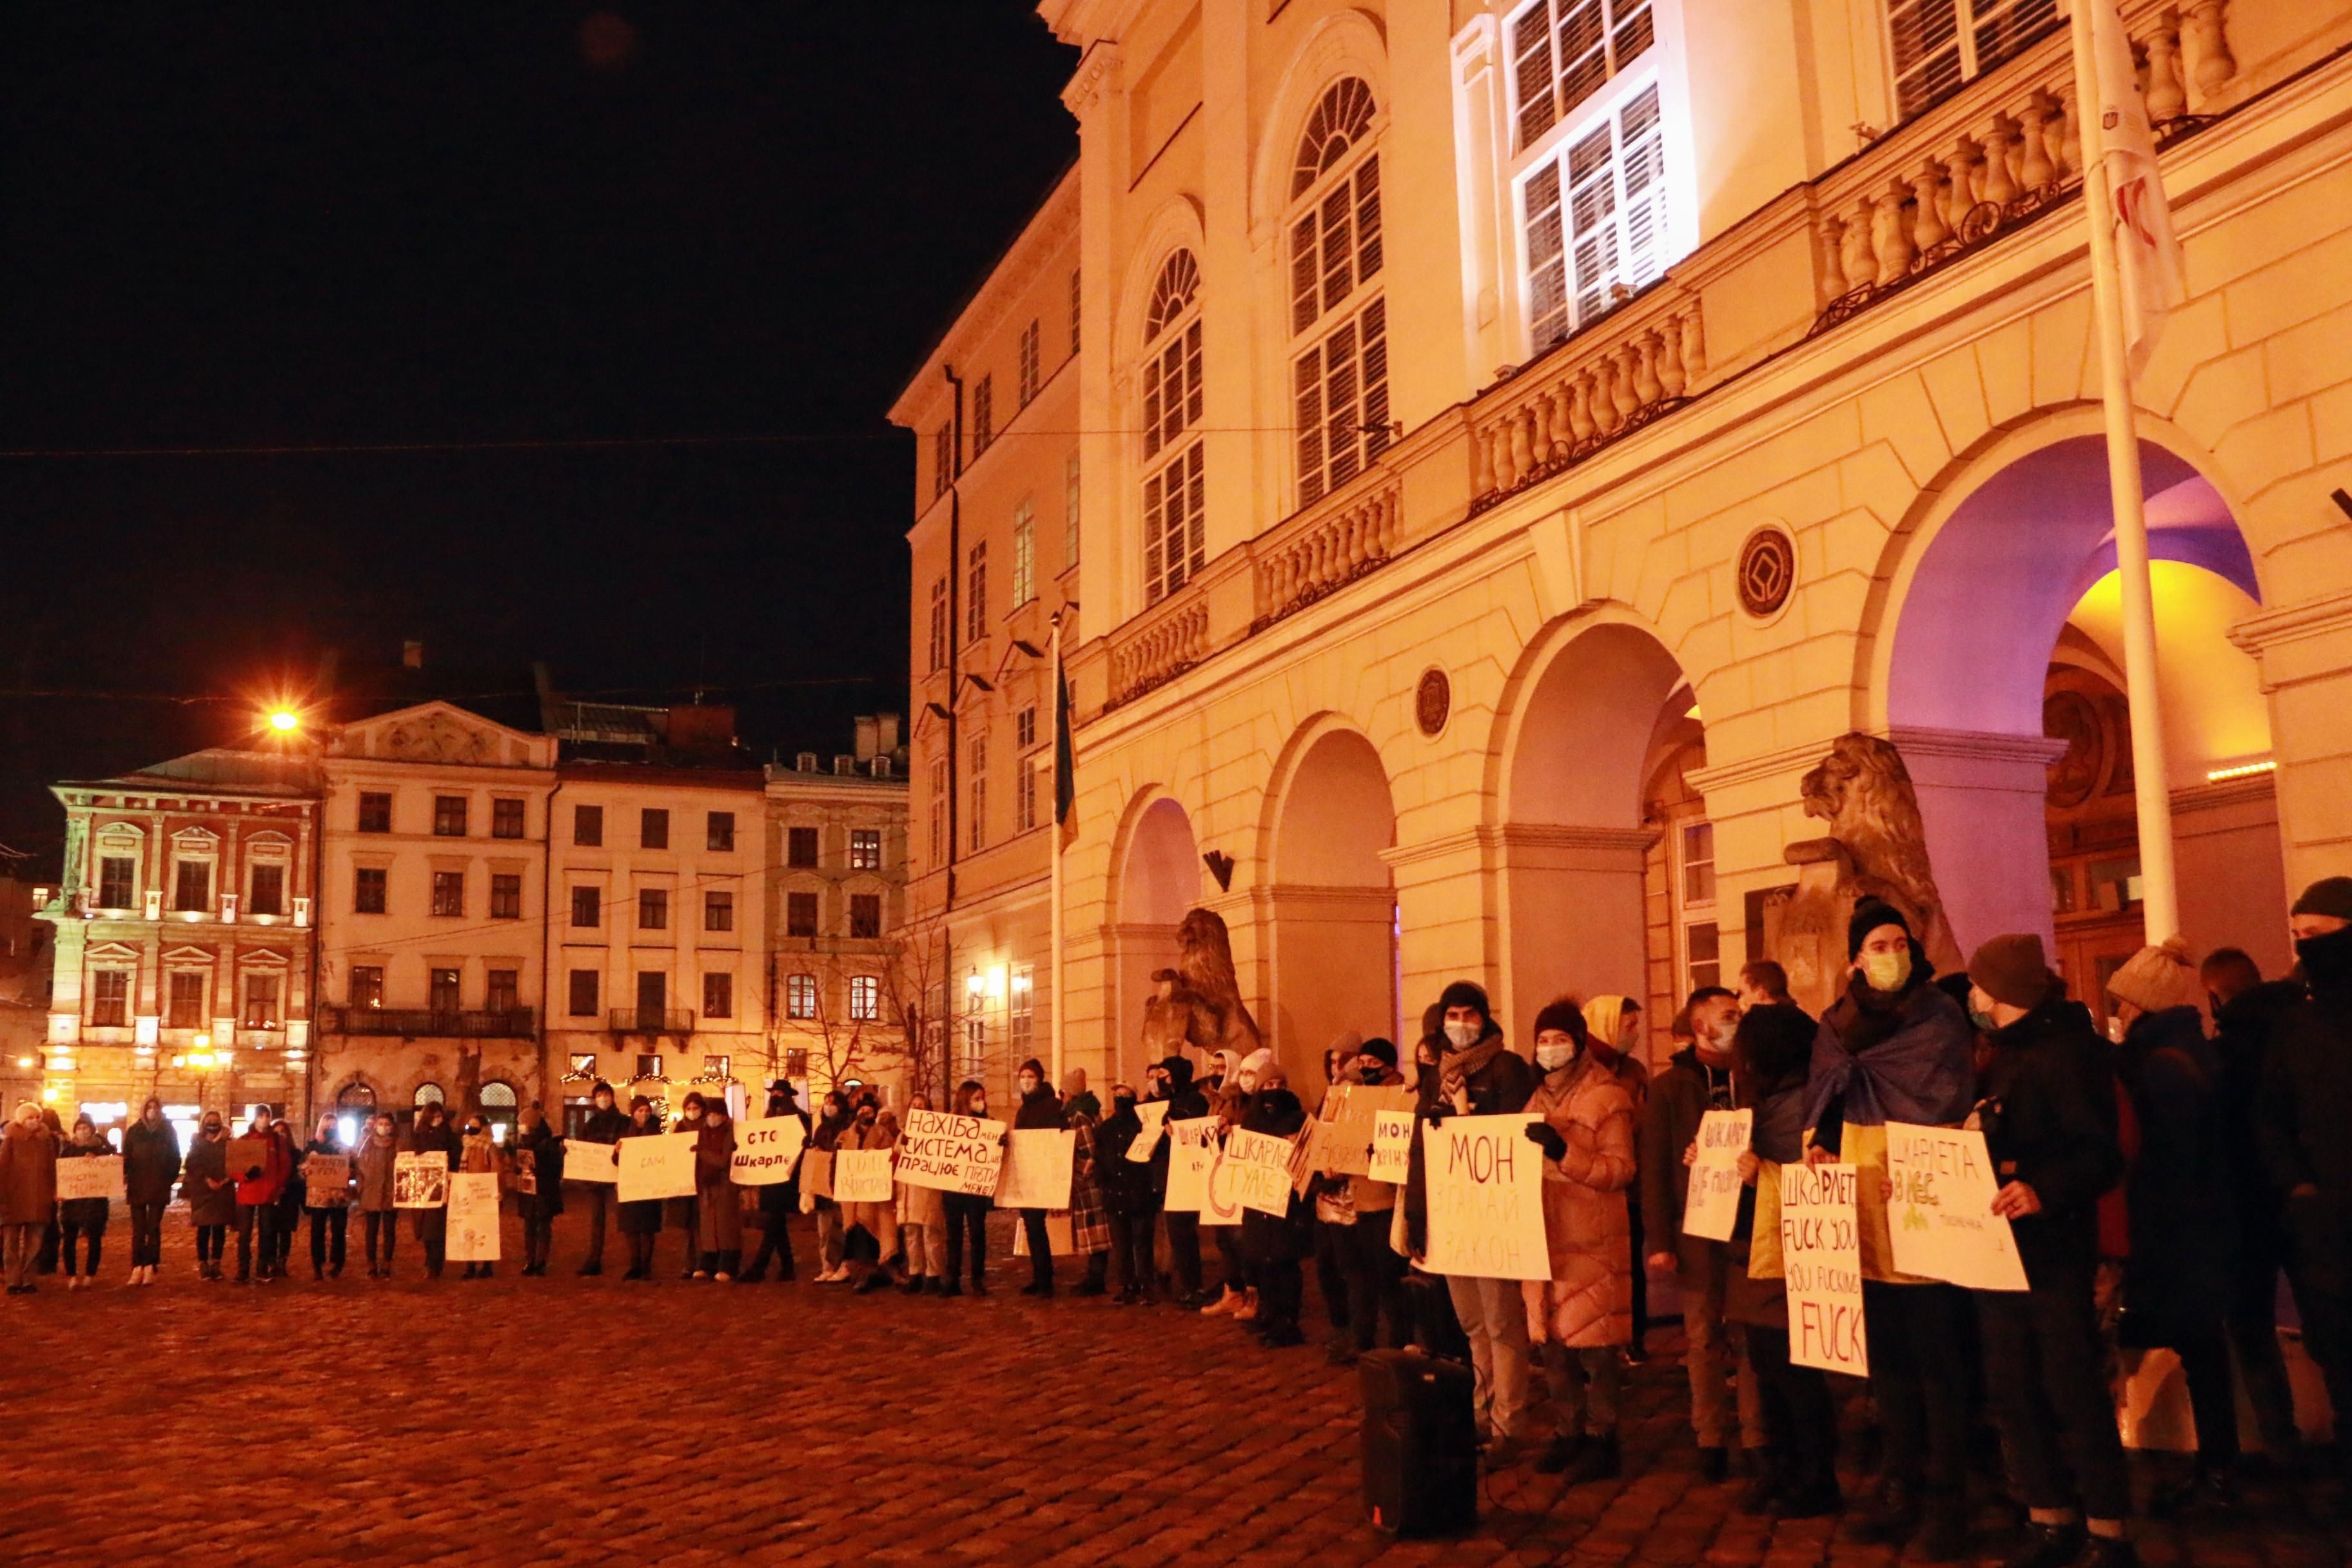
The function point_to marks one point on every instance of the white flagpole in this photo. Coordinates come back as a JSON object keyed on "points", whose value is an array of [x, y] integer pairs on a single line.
{"points": [[2161, 902], [1058, 1013]]}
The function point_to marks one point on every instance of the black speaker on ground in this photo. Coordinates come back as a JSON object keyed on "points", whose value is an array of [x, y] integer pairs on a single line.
{"points": [[1419, 1443]]}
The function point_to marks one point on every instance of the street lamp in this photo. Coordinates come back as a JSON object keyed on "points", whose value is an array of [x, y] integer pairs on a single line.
{"points": [[285, 721]]}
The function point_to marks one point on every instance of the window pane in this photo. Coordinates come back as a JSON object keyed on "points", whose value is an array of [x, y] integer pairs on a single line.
{"points": [[582, 1001], [653, 908], [375, 813], [449, 815], [588, 825], [587, 907], [653, 828], [719, 911], [269, 890], [800, 847], [506, 819], [723, 830]]}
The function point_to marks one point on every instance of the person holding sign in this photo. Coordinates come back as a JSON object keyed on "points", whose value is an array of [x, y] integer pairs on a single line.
{"points": [[2049, 1123], [151, 1165], [1584, 1314], [641, 1221], [83, 1217], [432, 1135], [538, 1185], [1896, 1048], [778, 1200], [1476, 1075], [1127, 1198], [327, 1193], [1185, 1103], [596, 1200], [372, 1166], [212, 1196], [1278, 1243], [269, 1166], [967, 1213], [718, 1212], [1375, 1273], [1041, 1109]]}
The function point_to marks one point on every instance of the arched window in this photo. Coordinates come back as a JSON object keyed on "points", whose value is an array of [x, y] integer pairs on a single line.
{"points": [[1340, 371], [1175, 537], [430, 1094], [498, 1103]]}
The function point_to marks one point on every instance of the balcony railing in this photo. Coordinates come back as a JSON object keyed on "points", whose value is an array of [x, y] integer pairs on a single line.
{"points": [[467, 1024], [651, 1021], [1161, 644]]}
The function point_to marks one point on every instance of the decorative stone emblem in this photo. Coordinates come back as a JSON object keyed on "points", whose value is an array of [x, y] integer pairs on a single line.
{"points": [[1767, 570], [1432, 700]]}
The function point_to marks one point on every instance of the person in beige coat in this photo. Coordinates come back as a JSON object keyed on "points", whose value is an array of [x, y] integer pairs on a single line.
{"points": [[923, 1227], [1580, 1319]]}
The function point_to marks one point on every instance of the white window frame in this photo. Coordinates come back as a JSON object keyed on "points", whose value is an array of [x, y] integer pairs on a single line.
{"points": [[1024, 551], [1690, 913], [864, 999], [1173, 447], [1963, 45], [1365, 422], [975, 592], [1069, 510], [976, 830], [1030, 379]]}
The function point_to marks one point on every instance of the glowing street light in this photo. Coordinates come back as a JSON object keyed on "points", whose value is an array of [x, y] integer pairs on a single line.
{"points": [[285, 721]]}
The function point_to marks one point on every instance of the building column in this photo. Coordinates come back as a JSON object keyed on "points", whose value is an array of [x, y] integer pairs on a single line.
{"points": [[1447, 914], [1333, 969], [1983, 803], [2304, 654], [1573, 918]]}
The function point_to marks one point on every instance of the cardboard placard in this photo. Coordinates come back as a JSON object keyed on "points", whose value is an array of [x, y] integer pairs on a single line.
{"points": [[326, 1180], [89, 1176], [1940, 1218], [658, 1165], [1486, 1199], [1821, 1257], [816, 1173], [1153, 1113], [1191, 1154], [420, 1181], [1037, 1173], [246, 1154], [1257, 1170], [1061, 1238], [951, 1154], [861, 1177], [1343, 1138], [1711, 1208], [1392, 1146], [767, 1151], [586, 1161], [474, 1217]]}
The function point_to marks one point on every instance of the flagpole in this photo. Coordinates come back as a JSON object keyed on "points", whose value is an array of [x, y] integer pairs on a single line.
{"points": [[1055, 893], [2159, 894]]}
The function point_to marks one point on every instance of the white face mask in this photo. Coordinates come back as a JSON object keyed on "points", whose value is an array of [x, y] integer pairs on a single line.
{"points": [[1551, 1058], [1463, 1033]]}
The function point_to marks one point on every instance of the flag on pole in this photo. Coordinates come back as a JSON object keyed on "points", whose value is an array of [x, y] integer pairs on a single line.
{"points": [[2121, 143], [1065, 783]]}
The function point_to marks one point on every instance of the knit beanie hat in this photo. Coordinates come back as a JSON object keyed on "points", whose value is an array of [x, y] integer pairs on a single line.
{"points": [[2155, 978], [1379, 1049], [1868, 916], [1603, 1015], [1464, 993], [1564, 1015], [2014, 970], [2330, 896]]}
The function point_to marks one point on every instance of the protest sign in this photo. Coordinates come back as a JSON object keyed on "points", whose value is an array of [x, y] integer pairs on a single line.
{"points": [[1037, 1173], [1258, 1171], [816, 1173], [1061, 1237], [246, 1155], [1940, 1218], [1192, 1151], [1221, 1201], [658, 1165], [861, 1176], [601, 1163], [950, 1153], [1486, 1199], [1820, 1255], [420, 1181], [1712, 1208], [1392, 1146], [1343, 1138], [327, 1182], [766, 1151], [1153, 1114], [89, 1176], [474, 1217]]}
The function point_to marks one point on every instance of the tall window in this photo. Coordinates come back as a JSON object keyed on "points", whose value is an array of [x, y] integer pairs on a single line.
{"points": [[587, 908], [506, 819], [268, 889], [653, 908], [800, 996], [1939, 44], [653, 828], [443, 990], [864, 999], [375, 812], [1564, 51], [192, 886], [1175, 534], [942, 461], [939, 825], [368, 895], [800, 914], [800, 847], [118, 881], [188, 1001], [1695, 878], [110, 1001], [719, 833], [449, 816], [1595, 220], [1025, 552], [718, 909], [975, 593], [366, 989], [866, 914], [1069, 511], [717, 996], [260, 1003], [1025, 794], [1340, 381], [978, 827], [502, 990], [588, 825], [983, 414], [1022, 1009], [448, 892], [506, 896], [580, 1000], [1029, 377], [938, 623], [865, 849]]}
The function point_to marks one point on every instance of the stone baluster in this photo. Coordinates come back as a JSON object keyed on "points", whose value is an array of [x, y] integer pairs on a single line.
{"points": [[1482, 464], [2205, 49], [1928, 228], [1999, 174], [1671, 375], [1562, 437], [2067, 132], [1522, 456], [2168, 94], [1623, 401], [1858, 260], [1390, 510], [1580, 409], [1828, 237], [1646, 384], [1506, 476], [1962, 170], [1890, 235], [1694, 346], [2035, 170]]}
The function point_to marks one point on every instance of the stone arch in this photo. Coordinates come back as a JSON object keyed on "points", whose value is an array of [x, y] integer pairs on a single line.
{"points": [[1344, 43], [2003, 570], [1156, 882], [1329, 901], [1176, 226]]}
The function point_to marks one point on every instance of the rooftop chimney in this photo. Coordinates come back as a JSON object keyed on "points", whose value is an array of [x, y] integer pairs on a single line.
{"points": [[886, 738], [412, 654], [865, 731]]}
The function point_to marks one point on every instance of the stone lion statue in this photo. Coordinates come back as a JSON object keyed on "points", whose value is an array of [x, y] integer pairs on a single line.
{"points": [[1876, 847], [1199, 1002]]}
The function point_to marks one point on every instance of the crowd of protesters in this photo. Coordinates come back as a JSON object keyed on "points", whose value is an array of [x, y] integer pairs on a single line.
{"points": [[2157, 1185]]}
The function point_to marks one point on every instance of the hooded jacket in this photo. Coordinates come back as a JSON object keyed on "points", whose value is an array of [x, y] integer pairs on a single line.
{"points": [[1288, 1236], [207, 1163], [1127, 1184], [2049, 1119], [2304, 1109], [541, 1150], [151, 1163], [1040, 1108], [1589, 1300], [1679, 1096], [2184, 1229], [1185, 1103]]}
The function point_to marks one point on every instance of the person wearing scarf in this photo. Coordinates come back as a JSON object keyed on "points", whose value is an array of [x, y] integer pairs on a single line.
{"points": [[479, 1155], [1276, 1243], [640, 1220], [831, 1231], [1040, 1108], [1237, 1296], [1612, 1030], [777, 1200], [1476, 1075], [150, 1163], [1896, 1048]]}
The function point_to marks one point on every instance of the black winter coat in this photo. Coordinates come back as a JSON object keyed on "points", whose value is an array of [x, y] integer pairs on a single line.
{"points": [[2305, 1126], [544, 1150], [89, 1213], [1126, 1183], [1041, 1109], [2244, 1030], [1679, 1096], [645, 1217], [2184, 1220], [151, 1163], [1185, 1103], [1286, 1238], [2049, 1120]]}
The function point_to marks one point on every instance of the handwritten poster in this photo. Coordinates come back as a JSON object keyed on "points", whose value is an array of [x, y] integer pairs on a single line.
{"points": [[1259, 1171], [1820, 1255], [766, 1151], [1037, 1173], [420, 1181], [1154, 1116], [861, 1176], [1220, 1198], [599, 1162], [816, 1173], [1486, 1199], [1343, 1138], [951, 1154], [1191, 1154], [327, 1182], [474, 1217], [1392, 1146], [89, 1176], [1940, 1218], [658, 1165], [1711, 1209]]}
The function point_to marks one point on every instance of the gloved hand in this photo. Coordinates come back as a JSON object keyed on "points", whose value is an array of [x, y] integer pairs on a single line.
{"points": [[1545, 1137], [1438, 1114]]}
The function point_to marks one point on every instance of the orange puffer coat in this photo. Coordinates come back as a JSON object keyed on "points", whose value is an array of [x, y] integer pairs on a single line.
{"points": [[1588, 1302]]}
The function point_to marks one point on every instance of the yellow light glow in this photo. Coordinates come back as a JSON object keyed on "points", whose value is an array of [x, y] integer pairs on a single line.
{"points": [[996, 981], [285, 721], [974, 984], [2240, 771], [201, 1042]]}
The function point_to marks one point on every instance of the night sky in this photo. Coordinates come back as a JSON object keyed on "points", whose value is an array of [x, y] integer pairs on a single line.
{"points": [[339, 224]]}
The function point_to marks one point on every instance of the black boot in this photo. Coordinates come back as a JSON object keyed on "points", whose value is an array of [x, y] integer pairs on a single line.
{"points": [[1601, 1461], [1891, 1516], [1562, 1452]]}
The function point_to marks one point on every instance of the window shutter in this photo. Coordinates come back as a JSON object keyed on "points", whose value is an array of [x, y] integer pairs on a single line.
{"points": [[1368, 219], [1304, 270], [1307, 392]]}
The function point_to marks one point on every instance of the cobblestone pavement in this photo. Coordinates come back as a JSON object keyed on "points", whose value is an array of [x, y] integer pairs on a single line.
{"points": [[576, 1421]]}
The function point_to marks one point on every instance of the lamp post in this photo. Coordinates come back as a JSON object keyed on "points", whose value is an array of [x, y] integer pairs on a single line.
{"points": [[201, 1059]]}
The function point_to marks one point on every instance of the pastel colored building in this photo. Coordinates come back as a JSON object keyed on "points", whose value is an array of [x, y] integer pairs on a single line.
{"points": [[1509, 444]]}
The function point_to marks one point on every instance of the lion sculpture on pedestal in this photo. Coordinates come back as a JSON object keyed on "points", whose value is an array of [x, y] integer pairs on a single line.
{"points": [[1198, 1005], [1876, 848]]}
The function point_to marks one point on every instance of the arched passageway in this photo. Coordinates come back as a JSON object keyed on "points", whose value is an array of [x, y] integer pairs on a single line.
{"points": [[1331, 906], [1159, 880]]}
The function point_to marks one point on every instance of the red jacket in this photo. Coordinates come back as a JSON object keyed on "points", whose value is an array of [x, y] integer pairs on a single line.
{"points": [[275, 1174]]}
